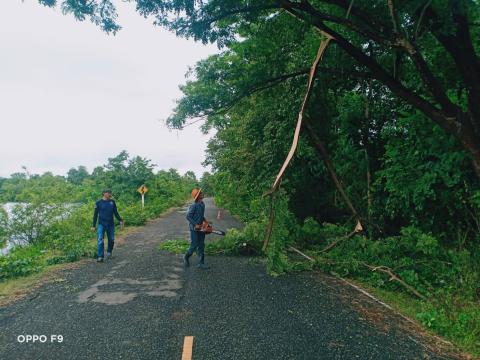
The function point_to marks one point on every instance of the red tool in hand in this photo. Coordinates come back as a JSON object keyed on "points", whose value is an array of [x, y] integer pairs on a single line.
{"points": [[207, 228]]}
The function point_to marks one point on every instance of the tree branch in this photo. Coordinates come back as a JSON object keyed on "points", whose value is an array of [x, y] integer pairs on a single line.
{"points": [[393, 16], [374, 24], [431, 82], [459, 46], [243, 10], [448, 123], [394, 277], [270, 83], [365, 32]]}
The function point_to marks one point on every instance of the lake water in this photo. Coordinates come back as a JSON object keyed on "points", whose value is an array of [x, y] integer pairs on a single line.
{"points": [[12, 242]]}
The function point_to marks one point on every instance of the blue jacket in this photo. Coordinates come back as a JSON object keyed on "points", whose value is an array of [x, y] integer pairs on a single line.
{"points": [[196, 214], [104, 212]]}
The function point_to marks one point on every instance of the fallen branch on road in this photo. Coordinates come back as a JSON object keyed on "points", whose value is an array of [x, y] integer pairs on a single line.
{"points": [[357, 229], [291, 248], [394, 277], [380, 268]]}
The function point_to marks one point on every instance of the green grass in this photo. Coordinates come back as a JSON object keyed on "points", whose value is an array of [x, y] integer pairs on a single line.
{"points": [[233, 243], [221, 246], [177, 246], [454, 318]]}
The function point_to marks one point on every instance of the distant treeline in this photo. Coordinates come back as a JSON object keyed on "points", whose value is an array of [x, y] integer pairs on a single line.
{"points": [[122, 174]]}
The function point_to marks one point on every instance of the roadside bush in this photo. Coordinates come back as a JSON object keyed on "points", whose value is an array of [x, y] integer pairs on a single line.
{"points": [[233, 243], [134, 215], [73, 252], [284, 232], [29, 222], [247, 241], [16, 267], [454, 318], [415, 256], [21, 261]]}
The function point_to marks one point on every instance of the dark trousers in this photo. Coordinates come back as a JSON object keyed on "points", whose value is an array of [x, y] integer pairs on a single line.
{"points": [[197, 239], [110, 230]]}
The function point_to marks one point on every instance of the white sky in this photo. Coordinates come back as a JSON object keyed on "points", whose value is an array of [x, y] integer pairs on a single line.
{"points": [[72, 95]]}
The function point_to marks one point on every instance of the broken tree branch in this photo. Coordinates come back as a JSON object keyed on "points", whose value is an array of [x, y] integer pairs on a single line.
{"points": [[313, 72], [357, 229], [301, 253], [394, 277]]}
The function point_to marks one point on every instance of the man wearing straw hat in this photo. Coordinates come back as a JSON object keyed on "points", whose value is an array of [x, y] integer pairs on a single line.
{"points": [[195, 217]]}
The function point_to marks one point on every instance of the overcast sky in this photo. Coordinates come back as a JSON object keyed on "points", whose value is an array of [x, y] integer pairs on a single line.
{"points": [[71, 95]]}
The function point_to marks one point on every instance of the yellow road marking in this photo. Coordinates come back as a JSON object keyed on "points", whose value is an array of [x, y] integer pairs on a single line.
{"points": [[187, 348]]}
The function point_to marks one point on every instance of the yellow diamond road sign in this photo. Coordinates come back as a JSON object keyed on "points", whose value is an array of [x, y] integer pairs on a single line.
{"points": [[142, 189]]}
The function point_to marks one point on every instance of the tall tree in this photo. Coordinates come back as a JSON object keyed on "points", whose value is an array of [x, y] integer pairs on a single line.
{"points": [[408, 37]]}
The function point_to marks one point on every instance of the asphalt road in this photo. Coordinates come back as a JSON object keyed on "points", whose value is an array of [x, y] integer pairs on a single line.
{"points": [[142, 303]]}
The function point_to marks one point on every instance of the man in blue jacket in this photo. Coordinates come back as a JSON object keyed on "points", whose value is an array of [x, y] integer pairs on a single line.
{"points": [[195, 217], [105, 209]]}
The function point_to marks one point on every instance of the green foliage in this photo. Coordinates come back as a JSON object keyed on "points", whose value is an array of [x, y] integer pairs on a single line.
{"points": [[3, 227], [176, 246], [417, 257], [77, 176], [46, 188], [454, 319], [29, 222], [233, 243], [134, 215], [207, 184], [21, 261], [284, 233]]}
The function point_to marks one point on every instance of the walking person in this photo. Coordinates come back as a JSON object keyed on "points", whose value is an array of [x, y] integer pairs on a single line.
{"points": [[195, 217], [105, 209]]}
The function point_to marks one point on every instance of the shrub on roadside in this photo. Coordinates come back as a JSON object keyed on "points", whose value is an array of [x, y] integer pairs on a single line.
{"points": [[30, 222], [21, 261], [134, 215], [454, 318]]}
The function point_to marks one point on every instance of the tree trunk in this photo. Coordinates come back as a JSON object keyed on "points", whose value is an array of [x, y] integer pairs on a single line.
{"points": [[328, 163], [470, 142]]}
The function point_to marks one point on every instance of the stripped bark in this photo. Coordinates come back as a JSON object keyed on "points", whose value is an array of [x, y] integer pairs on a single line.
{"points": [[312, 74]]}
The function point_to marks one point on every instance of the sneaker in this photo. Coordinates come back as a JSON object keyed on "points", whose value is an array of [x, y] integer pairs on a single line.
{"points": [[186, 262], [100, 259], [203, 266], [109, 256]]}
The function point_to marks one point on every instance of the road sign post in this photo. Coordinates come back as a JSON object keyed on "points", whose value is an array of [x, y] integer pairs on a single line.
{"points": [[142, 190]]}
